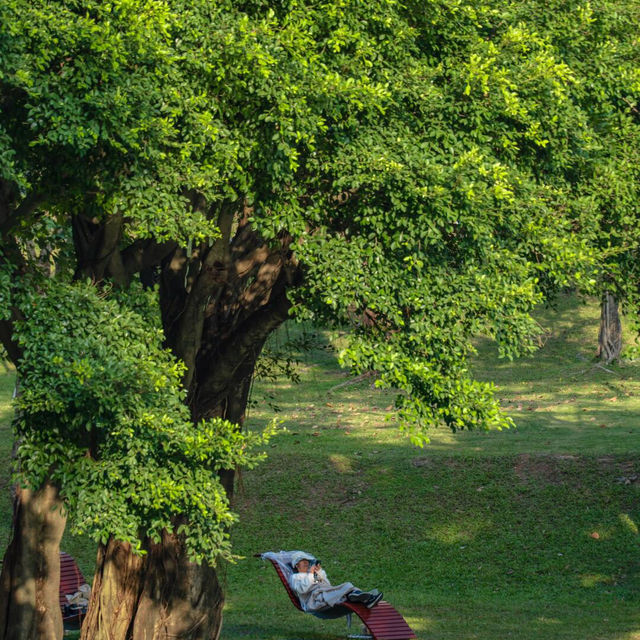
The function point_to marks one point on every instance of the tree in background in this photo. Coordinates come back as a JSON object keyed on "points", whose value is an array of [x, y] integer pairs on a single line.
{"points": [[597, 41], [402, 171], [76, 134]]}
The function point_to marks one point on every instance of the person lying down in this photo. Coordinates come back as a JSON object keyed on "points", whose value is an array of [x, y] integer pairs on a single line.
{"points": [[316, 593]]}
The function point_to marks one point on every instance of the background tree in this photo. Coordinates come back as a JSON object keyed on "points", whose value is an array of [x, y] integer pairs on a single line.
{"points": [[101, 418], [77, 135], [402, 171], [597, 41]]}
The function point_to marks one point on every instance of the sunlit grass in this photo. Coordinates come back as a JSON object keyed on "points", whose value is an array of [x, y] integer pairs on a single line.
{"points": [[526, 533]]}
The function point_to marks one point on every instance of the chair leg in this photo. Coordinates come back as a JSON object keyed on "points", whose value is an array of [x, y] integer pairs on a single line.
{"points": [[363, 635]]}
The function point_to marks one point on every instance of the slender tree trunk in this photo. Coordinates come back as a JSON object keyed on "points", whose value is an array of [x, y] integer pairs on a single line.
{"points": [[610, 335], [30, 579]]}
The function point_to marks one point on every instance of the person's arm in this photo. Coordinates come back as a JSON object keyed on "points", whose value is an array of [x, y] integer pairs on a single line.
{"points": [[302, 583], [322, 576]]}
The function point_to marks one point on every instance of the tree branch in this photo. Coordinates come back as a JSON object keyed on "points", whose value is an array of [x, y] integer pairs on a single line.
{"points": [[212, 274], [97, 252], [10, 218], [220, 372], [144, 254]]}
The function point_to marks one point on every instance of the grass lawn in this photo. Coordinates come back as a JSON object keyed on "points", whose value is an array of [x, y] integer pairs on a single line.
{"points": [[530, 533]]}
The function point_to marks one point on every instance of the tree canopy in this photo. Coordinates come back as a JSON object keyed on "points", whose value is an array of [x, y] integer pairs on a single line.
{"points": [[101, 414], [414, 156], [419, 173]]}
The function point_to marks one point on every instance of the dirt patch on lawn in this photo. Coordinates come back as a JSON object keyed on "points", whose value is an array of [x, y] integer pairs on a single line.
{"points": [[623, 471], [560, 469], [546, 469]]}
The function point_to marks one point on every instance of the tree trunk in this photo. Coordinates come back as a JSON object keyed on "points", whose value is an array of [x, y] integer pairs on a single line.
{"points": [[163, 596], [610, 335], [30, 579], [114, 592], [160, 596], [218, 303]]}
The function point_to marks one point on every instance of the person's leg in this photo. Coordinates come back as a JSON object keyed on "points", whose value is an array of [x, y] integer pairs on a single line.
{"points": [[368, 598]]}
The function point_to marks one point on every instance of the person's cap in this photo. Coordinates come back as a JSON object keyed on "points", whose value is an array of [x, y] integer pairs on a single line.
{"points": [[300, 555]]}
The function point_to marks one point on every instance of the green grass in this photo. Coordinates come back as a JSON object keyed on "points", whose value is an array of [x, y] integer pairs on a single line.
{"points": [[530, 533], [7, 383]]}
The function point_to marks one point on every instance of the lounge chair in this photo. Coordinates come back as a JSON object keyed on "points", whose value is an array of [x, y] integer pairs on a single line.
{"points": [[71, 581], [382, 622]]}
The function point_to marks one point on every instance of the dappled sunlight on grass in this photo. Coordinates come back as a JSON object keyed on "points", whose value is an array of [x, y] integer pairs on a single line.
{"points": [[627, 522], [585, 409], [341, 463], [421, 624], [549, 621], [593, 580], [457, 532]]}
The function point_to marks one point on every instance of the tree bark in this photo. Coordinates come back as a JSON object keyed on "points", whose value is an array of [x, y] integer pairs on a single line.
{"points": [[159, 596], [114, 593], [30, 578], [610, 335], [218, 303]]}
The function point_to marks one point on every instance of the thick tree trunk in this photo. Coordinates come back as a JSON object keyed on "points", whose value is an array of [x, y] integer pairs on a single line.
{"points": [[219, 303], [160, 596], [114, 593], [610, 335], [29, 583]]}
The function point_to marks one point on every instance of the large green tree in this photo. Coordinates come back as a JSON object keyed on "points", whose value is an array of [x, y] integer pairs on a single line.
{"points": [[407, 171]]}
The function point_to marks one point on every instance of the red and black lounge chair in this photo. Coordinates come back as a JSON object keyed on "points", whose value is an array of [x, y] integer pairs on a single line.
{"points": [[382, 622], [71, 579]]}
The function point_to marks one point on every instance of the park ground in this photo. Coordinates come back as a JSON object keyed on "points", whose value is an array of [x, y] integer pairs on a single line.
{"points": [[529, 533]]}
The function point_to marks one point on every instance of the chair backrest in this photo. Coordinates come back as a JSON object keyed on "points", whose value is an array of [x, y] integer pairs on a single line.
{"points": [[282, 564], [294, 598]]}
